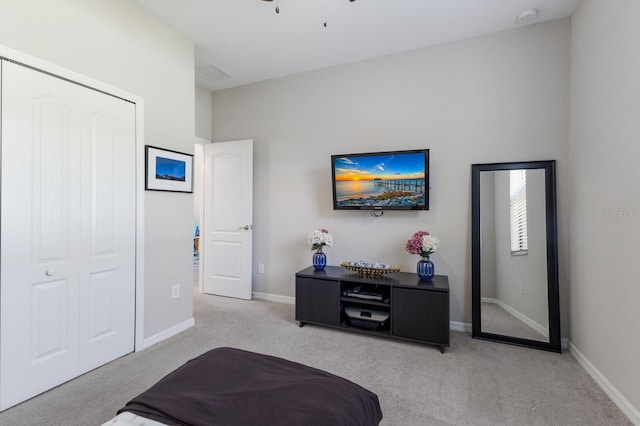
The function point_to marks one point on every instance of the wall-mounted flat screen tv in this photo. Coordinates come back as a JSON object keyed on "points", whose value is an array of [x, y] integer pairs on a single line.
{"points": [[394, 180]]}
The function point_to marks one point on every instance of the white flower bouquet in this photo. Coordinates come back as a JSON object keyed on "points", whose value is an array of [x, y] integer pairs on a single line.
{"points": [[319, 238]]}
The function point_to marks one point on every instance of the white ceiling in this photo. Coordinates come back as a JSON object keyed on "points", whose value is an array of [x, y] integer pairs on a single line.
{"points": [[243, 41]]}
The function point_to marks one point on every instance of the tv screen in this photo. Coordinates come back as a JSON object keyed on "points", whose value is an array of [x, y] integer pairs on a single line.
{"points": [[394, 180]]}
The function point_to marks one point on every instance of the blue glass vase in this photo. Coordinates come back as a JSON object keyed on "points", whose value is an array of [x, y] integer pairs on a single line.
{"points": [[426, 270], [319, 260]]}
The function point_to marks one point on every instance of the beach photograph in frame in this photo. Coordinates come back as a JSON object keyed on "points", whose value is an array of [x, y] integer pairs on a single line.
{"points": [[168, 170]]}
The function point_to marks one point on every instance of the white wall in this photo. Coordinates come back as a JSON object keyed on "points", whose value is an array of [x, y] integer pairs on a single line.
{"points": [[501, 97], [204, 115], [116, 42], [605, 195], [203, 123]]}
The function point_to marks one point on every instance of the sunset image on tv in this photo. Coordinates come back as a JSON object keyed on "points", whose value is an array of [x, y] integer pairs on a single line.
{"points": [[393, 180]]}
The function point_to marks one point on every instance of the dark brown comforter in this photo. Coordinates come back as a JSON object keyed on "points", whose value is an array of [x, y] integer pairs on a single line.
{"points": [[228, 386]]}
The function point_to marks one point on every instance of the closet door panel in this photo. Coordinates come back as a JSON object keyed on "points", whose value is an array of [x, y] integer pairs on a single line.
{"points": [[103, 189], [102, 298], [39, 248], [107, 281], [51, 184], [49, 337]]}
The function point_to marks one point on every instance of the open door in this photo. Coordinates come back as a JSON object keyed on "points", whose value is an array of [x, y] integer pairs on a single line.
{"points": [[227, 229]]}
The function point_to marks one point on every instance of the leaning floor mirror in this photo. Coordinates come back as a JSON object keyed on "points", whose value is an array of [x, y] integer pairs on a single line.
{"points": [[515, 254]]}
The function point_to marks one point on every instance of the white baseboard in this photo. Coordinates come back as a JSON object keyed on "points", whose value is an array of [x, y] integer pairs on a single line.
{"points": [[460, 326], [623, 403], [274, 298], [163, 335]]}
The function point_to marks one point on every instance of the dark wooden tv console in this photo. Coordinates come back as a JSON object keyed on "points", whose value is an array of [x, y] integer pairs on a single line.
{"points": [[417, 310]]}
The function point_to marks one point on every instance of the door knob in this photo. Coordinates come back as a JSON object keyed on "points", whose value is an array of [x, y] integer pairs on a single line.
{"points": [[246, 227], [49, 272]]}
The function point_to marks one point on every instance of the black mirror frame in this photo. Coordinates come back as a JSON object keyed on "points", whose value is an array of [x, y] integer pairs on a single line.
{"points": [[554, 343]]}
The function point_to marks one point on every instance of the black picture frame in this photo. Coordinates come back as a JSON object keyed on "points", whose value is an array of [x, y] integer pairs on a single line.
{"points": [[167, 170]]}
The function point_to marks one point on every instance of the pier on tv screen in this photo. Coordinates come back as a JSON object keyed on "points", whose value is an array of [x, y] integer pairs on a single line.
{"points": [[394, 180]]}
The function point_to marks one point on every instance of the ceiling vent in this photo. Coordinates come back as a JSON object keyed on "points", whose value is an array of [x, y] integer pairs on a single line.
{"points": [[210, 73]]}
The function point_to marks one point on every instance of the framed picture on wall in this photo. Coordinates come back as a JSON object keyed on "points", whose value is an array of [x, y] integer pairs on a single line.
{"points": [[168, 170]]}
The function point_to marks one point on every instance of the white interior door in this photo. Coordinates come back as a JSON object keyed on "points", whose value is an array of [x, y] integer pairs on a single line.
{"points": [[67, 268], [227, 232]]}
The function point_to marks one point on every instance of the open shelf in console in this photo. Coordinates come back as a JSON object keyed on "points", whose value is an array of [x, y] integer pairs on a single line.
{"points": [[357, 292], [365, 314], [382, 332]]}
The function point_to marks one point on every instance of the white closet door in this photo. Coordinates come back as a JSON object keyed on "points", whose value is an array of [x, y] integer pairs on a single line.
{"points": [[107, 255], [68, 231]]}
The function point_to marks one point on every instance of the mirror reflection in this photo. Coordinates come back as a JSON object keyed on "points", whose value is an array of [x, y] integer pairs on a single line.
{"points": [[514, 297]]}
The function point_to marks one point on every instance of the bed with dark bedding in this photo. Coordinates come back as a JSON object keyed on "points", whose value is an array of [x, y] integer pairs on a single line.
{"points": [[227, 386]]}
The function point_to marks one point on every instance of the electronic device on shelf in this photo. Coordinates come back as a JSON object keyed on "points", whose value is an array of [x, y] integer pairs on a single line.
{"points": [[360, 293], [366, 318]]}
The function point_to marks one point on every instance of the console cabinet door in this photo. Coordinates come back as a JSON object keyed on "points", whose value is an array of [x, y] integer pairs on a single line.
{"points": [[421, 315], [317, 301]]}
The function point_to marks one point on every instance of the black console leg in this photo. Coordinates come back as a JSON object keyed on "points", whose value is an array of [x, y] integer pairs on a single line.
{"points": [[441, 349], [300, 323]]}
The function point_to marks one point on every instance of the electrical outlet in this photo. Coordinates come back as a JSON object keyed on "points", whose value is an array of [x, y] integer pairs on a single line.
{"points": [[261, 268], [175, 291]]}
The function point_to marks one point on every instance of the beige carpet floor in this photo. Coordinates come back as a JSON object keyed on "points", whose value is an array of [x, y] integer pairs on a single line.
{"points": [[474, 383]]}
